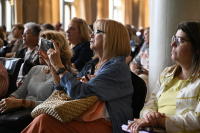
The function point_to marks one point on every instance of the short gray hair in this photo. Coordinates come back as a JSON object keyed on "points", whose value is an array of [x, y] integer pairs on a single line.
{"points": [[35, 29]]}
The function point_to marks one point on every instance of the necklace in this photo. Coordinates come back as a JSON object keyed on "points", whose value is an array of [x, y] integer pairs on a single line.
{"points": [[99, 65]]}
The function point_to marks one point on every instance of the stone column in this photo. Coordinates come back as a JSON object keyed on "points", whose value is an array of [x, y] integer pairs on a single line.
{"points": [[165, 15]]}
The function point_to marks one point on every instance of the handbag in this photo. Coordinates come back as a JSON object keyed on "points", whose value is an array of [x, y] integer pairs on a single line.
{"points": [[62, 107], [93, 113]]}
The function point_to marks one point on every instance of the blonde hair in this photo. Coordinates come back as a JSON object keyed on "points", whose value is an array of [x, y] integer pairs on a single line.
{"points": [[83, 29], [116, 40], [62, 43]]}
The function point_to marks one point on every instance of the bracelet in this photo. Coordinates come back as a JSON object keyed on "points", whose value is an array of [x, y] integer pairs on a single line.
{"points": [[56, 83], [31, 104], [23, 103]]}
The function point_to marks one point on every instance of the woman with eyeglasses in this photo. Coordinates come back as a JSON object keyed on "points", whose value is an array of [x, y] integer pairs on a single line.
{"points": [[78, 36], [111, 83], [37, 86], [174, 103]]}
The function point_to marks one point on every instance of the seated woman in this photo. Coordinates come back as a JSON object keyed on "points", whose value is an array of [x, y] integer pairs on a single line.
{"points": [[38, 85], [4, 79], [174, 103], [17, 43], [78, 35], [2, 37], [110, 42]]}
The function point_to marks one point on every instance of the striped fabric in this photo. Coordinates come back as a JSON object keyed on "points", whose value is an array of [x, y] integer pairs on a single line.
{"points": [[4, 80], [187, 115]]}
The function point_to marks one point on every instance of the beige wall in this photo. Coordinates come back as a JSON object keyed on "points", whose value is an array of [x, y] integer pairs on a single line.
{"points": [[38, 11], [49, 11], [30, 11], [143, 15], [135, 12]]}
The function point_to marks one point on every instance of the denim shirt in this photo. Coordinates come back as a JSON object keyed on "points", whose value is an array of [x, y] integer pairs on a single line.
{"points": [[112, 84]]}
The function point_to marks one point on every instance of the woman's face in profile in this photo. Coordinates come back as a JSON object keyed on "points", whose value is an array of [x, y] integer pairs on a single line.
{"points": [[28, 37], [16, 32], [73, 35], [181, 52], [96, 41]]}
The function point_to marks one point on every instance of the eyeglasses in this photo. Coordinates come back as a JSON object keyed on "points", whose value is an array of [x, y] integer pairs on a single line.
{"points": [[79, 20], [97, 31], [178, 40]]}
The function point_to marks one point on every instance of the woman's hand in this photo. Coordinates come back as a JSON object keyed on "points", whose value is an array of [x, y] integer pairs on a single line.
{"points": [[9, 103], [19, 83], [143, 71], [83, 79], [54, 57], [137, 124], [154, 118]]}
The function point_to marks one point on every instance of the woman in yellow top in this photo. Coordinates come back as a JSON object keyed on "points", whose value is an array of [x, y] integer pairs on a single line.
{"points": [[174, 103]]}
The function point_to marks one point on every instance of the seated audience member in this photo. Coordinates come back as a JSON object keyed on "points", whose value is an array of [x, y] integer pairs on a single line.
{"points": [[111, 45], [4, 79], [57, 27], [133, 37], [29, 52], [78, 36], [141, 30], [17, 43], [4, 32], [140, 64], [131, 41], [174, 103], [38, 85], [2, 37], [47, 26]]}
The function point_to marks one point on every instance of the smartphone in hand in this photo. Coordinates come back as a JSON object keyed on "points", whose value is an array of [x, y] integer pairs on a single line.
{"points": [[46, 45]]}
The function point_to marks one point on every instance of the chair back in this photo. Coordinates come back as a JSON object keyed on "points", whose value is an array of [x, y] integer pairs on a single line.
{"points": [[139, 94], [12, 66], [3, 51]]}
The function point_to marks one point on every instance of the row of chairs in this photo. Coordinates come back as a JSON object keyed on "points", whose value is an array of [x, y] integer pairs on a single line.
{"points": [[3, 51]]}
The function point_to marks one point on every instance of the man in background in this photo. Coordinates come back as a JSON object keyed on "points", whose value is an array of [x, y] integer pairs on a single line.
{"points": [[57, 27]]}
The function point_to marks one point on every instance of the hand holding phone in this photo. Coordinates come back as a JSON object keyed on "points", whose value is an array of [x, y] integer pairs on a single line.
{"points": [[46, 45]]}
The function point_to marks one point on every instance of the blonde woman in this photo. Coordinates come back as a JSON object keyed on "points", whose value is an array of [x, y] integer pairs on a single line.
{"points": [[111, 83], [78, 36], [38, 85]]}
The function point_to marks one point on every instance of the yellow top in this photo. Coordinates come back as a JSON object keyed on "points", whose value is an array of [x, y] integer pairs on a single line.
{"points": [[167, 100]]}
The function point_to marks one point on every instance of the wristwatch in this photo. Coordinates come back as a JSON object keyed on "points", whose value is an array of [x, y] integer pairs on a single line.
{"points": [[61, 70]]}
